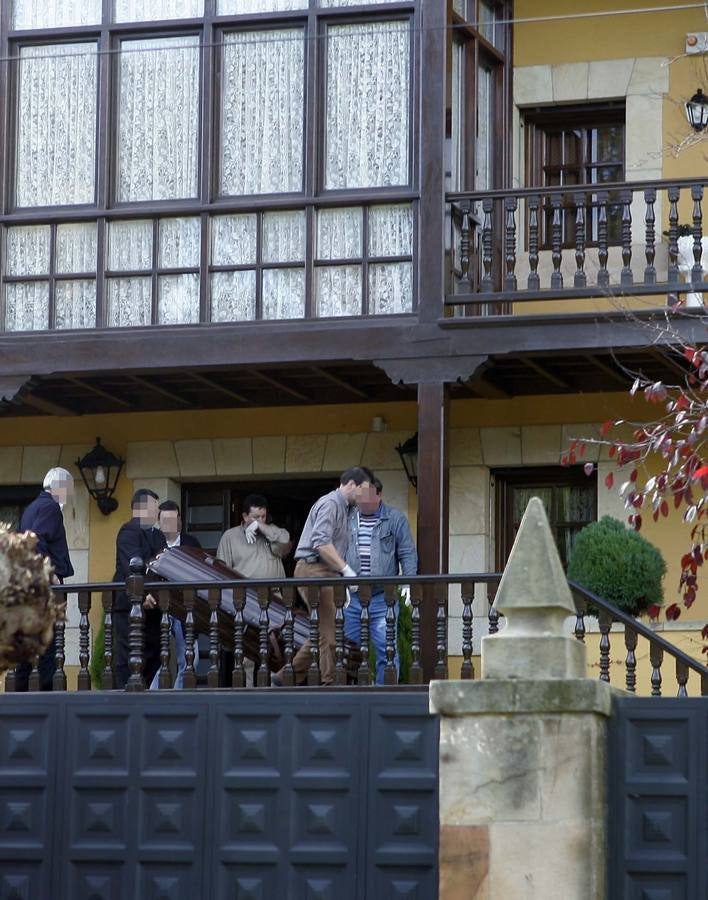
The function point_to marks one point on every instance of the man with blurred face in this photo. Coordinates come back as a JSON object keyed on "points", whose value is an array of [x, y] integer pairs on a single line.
{"points": [[44, 517], [137, 538], [255, 548], [321, 554]]}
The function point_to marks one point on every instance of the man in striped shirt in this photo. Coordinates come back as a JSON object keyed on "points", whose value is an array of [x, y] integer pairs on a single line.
{"points": [[380, 543]]}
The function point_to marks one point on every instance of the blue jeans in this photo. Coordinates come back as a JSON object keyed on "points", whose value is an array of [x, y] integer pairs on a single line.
{"points": [[177, 631], [377, 629]]}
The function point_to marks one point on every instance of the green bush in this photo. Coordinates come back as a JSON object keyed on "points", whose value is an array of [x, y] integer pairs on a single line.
{"points": [[405, 637], [96, 664], [619, 565]]}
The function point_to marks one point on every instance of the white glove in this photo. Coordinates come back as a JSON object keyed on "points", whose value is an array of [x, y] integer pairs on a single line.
{"points": [[405, 590], [251, 531], [348, 572]]}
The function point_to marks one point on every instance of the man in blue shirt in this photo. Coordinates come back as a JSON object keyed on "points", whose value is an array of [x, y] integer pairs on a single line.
{"points": [[380, 543]]}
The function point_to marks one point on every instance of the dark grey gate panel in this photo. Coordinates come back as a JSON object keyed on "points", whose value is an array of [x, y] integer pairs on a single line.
{"points": [[658, 799], [300, 795]]}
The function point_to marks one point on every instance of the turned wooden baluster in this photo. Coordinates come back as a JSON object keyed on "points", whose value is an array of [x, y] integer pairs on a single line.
{"points": [[510, 204], [630, 642], [605, 621], [59, 677], [84, 677], [656, 657], [134, 588], [465, 248], [288, 676], [263, 675], [493, 616], [580, 278], [313, 673], [603, 276], [163, 602], [189, 678], [580, 611], [556, 241], [440, 592], [107, 674], [697, 270], [33, 681], [416, 670], [467, 590], [626, 276], [650, 236], [487, 283], [681, 678], [363, 675], [390, 674], [214, 598], [673, 194], [238, 675], [533, 282], [340, 671]]}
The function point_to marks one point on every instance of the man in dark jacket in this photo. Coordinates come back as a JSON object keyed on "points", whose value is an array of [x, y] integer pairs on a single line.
{"points": [[45, 519], [137, 538]]}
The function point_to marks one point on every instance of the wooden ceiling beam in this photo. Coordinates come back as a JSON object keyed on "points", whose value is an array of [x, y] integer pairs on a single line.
{"points": [[158, 389], [217, 386], [48, 407], [544, 373], [608, 370], [335, 379], [119, 401], [274, 382]]}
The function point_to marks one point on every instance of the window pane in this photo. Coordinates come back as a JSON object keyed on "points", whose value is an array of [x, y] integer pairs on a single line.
{"points": [[56, 125], [129, 301], [339, 233], [522, 495], [55, 13], [390, 288], [391, 230], [233, 240], [366, 132], [27, 306], [283, 293], [263, 112], [239, 7], [178, 299], [338, 291], [27, 250], [180, 243], [485, 129], [487, 17], [233, 296], [284, 236], [76, 248], [457, 141], [576, 504], [331, 3], [608, 144], [147, 10], [159, 118], [129, 246], [75, 304]]}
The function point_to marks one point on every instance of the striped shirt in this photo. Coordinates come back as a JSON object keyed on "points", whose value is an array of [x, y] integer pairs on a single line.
{"points": [[365, 530]]}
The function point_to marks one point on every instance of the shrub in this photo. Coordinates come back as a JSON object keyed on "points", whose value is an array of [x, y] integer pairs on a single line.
{"points": [[405, 639], [619, 565], [96, 664]]}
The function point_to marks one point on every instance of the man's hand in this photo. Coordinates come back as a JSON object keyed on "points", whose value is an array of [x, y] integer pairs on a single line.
{"points": [[149, 602], [56, 579], [348, 572], [251, 531]]}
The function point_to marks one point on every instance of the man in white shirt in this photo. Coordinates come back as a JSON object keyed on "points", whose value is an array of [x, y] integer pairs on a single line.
{"points": [[255, 548]]}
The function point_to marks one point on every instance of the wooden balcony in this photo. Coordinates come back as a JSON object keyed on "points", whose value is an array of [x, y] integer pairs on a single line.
{"points": [[541, 250]]}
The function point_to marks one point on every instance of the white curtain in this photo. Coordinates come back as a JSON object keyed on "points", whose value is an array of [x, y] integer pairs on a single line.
{"points": [[27, 306], [233, 296], [263, 112], [338, 291], [391, 230], [180, 243], [242, 7], [54, 13], [233, 240], [339, 233], [158, 149], [177, 299], [75, 303], [27, 250], [129, 245], [56, 125], [283, 236], [367, 115], [75, 248], [390, 288], [146, 10], [283, 293], [129, 302]]}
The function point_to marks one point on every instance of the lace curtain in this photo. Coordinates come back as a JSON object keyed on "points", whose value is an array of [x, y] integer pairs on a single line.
{"points": [[146, 10], [158, 150], [263, 112], [56, 127], [367, 105], [54, 13], [27, 253]]}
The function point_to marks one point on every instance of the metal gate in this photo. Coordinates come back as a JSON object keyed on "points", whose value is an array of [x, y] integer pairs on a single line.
{"points": [[658, 798], [255, 795]]}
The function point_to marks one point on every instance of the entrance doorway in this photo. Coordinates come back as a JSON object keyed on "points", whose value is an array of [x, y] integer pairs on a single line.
{"points": [[209, 509]]}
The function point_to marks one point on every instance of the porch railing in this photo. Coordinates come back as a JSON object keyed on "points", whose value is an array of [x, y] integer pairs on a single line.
{"points": [[641, 238], [205, 601]]}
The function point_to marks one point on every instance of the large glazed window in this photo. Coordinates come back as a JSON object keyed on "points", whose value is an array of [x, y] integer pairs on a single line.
{"points": [[263, 112], [56, 125], [54, 13], [158, 119], [367, 105]]}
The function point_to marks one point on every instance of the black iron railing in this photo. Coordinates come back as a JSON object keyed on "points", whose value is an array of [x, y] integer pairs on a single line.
{"points": [[224, 613], [560, 243]]}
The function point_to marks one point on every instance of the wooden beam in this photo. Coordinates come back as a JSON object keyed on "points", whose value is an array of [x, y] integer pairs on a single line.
{"points": [[119, 401], [216, 386], [342, 383], [608, 370], [49, 407], [274, 382], [544, 373], [158, 389]]}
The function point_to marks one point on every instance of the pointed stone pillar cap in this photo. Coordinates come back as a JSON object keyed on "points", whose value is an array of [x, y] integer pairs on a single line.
{"points": [[535, 598]]}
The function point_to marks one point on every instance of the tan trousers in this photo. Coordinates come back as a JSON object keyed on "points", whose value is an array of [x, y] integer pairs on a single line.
{"points": [[303, 657]]}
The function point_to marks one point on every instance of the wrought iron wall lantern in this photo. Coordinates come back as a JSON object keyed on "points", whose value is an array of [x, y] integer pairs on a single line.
{"points": [[100, 470], [697, 111], [408, 451]]}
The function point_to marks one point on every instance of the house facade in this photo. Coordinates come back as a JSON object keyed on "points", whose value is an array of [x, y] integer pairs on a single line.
{"points": [[250, 243]]}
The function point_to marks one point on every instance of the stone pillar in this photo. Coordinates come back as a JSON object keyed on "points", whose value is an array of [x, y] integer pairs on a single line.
{"points": [[522, 752]]}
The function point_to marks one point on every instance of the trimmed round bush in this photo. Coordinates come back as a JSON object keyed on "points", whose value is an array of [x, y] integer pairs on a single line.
{"points": [[619, 565]]}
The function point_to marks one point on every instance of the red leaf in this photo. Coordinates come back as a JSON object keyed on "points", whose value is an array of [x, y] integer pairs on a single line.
{"points": [[664, 508], [605, 427], [564, 460], [654, 611], [609, 480], [581, 449], [683, 402], [689, 598], [633, 475], [672, 612], [700, 473]]}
